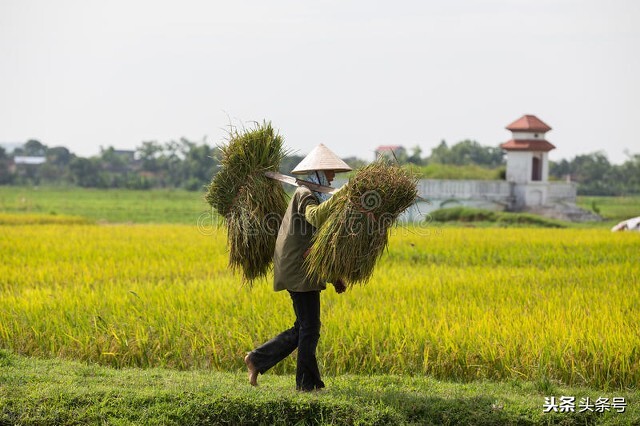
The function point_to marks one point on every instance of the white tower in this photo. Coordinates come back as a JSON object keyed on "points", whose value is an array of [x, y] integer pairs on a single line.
{"points": [[527, 161]]}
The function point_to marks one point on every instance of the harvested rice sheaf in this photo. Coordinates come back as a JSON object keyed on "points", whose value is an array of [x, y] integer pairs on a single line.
{"points": [[356, 232], [251, 204]]}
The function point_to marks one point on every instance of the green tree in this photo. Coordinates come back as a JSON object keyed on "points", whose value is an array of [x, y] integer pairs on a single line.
{"points": [[5, 175], [111, 161], [171, 161], [86, 173], [471, 152], [597, 176], [150, 154], [467, 152], [415, 157], [591, 171], [34, 148], [560, 169], [354, 162], [440, 154], [56, 168], [59, 156], [630, 173], [199, 164]]}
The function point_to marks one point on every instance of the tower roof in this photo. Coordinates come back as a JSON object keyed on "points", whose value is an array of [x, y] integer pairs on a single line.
{"points": [[529, 123], [527, 145]]}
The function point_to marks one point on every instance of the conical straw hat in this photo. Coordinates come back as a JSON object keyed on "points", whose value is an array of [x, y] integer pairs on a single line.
{"points": [[321, 158]]}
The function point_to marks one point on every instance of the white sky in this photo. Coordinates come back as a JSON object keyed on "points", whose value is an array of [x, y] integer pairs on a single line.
{"points": [[350, 74]]}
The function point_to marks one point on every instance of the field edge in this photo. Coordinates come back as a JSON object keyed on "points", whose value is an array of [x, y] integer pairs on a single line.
{"points": [[54, 391]]}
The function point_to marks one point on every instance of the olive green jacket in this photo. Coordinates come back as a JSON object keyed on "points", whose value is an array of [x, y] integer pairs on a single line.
{"points": [[303, 216]]}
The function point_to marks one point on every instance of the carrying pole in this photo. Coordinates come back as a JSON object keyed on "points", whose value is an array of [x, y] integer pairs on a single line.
{"points": [[299, 182]]}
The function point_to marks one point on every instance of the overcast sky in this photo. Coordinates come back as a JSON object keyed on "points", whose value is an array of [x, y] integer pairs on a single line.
{"points": [[350, 74]]}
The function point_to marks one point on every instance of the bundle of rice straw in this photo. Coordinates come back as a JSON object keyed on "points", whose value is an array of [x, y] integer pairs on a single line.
{"points": [[356, 232], [251, 204]]}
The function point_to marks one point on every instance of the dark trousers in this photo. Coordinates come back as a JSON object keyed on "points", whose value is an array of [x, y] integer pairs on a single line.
{"points": [[304, 335]]}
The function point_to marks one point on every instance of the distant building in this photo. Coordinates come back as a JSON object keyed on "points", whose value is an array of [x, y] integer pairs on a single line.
{"points": [[23, 165], [526, 187], [528, 161], [30, 161], [390, 152]]}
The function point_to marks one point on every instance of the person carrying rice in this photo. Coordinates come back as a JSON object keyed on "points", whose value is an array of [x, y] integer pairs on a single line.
{"points": [[305, 213]]}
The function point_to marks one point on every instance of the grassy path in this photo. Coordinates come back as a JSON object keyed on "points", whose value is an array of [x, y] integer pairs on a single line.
{"points": [[36, 391]]}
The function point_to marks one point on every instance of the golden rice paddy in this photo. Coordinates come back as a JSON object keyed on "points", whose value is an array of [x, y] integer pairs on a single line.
{"points": [[455, 303]]}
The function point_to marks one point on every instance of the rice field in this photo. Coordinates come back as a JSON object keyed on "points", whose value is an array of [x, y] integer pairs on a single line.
{"points": [[454, 303]]}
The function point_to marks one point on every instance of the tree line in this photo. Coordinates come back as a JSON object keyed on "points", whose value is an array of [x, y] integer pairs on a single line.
{"points": [[593, 172], [597, 176], [174, 164], [191, 165]]}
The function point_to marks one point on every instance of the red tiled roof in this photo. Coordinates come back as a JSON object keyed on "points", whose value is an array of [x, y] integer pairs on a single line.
{"points": [[529, 123], [527, 145]]}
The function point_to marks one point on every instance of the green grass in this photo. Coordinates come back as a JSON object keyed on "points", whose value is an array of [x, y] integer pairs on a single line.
{"points": [[52, 391], [506, 219], [106, 205], [612, 208], [449, 171], [180, 206]]}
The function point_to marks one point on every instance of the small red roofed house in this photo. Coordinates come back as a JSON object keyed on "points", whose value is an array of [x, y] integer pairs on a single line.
{"points": [[526, 187], [527, 159]]}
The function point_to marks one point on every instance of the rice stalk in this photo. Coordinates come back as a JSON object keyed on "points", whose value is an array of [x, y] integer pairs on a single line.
{"points": [[356, 232], [251, 204]]}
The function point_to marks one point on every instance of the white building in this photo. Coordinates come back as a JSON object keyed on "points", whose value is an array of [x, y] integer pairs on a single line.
{"points": [[29, 160], [528, 161], [526, 188]]}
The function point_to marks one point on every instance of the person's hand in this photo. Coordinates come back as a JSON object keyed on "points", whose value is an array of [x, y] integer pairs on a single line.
{"points": [[340, 286]]}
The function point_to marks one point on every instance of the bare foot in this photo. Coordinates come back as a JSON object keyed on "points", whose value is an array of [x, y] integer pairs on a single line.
{"points": [[253, 371]]}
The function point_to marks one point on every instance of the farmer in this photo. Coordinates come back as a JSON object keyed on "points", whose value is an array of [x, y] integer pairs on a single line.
{"points": [[306, 212]]}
